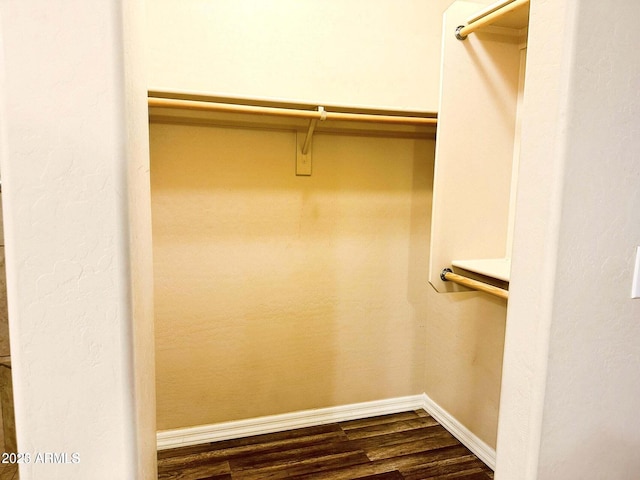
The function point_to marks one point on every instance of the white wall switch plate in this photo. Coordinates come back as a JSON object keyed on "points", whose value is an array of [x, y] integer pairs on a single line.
{"points": [[635, 287]]}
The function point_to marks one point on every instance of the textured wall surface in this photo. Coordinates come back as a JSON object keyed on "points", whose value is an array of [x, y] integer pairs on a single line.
{"points": [[277, 293], [347, 52], [535, 242], [464, 346], [572, 354], [68, 139], [593, 311]]}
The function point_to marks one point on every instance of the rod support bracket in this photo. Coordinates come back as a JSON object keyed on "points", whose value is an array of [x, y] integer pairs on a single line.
{"points": [[303, 155], [459, 36], [303, 160]]}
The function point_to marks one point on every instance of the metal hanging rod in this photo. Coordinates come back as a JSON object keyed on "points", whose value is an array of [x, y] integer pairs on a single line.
{"points": [[447, 275], [288, 112], [490, 17]]}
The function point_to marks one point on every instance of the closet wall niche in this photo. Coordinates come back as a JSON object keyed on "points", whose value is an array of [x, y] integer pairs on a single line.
{"points": [[477, 148], [266, 280]]}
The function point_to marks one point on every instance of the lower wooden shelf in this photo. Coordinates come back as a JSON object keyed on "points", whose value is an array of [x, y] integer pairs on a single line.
{"points": [[499, 268]]}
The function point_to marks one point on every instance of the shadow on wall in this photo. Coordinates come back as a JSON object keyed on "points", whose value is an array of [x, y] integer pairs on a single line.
{"points": [[420, 234]]}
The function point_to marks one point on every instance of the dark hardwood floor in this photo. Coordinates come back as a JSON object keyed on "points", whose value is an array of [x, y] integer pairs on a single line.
{"points": [[8, 471], [409, 446]]}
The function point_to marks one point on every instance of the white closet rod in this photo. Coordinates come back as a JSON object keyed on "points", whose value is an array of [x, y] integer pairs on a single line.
{"points": [[287, 112], [448, 275], [490, 17]]}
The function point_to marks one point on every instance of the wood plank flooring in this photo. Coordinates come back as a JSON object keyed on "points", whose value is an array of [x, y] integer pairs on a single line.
{"points": [[403, 446], [8, 472]]}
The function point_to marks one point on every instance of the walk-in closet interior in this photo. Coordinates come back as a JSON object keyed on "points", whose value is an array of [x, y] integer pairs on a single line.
{"points": [[299, 232], [228, 218]]}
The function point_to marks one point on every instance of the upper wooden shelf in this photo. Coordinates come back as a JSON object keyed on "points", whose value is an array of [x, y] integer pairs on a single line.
{"points": [[505, 14], [518, 18]]}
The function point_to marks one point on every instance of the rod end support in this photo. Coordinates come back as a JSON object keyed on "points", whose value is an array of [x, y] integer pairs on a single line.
{"points": [[459, 36], [443, 274]]}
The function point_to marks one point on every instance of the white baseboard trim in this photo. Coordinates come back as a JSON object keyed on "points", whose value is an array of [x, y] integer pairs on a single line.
{"points": [[483, 451], [183, 437]]}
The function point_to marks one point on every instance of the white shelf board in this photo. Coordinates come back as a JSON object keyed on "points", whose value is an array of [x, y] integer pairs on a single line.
{"points": [[499, 268], [517, 19]]}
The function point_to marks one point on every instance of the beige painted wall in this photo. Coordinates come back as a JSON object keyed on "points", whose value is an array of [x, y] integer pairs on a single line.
{"points": [[464, 347], [380, 53], [276, 293]]}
